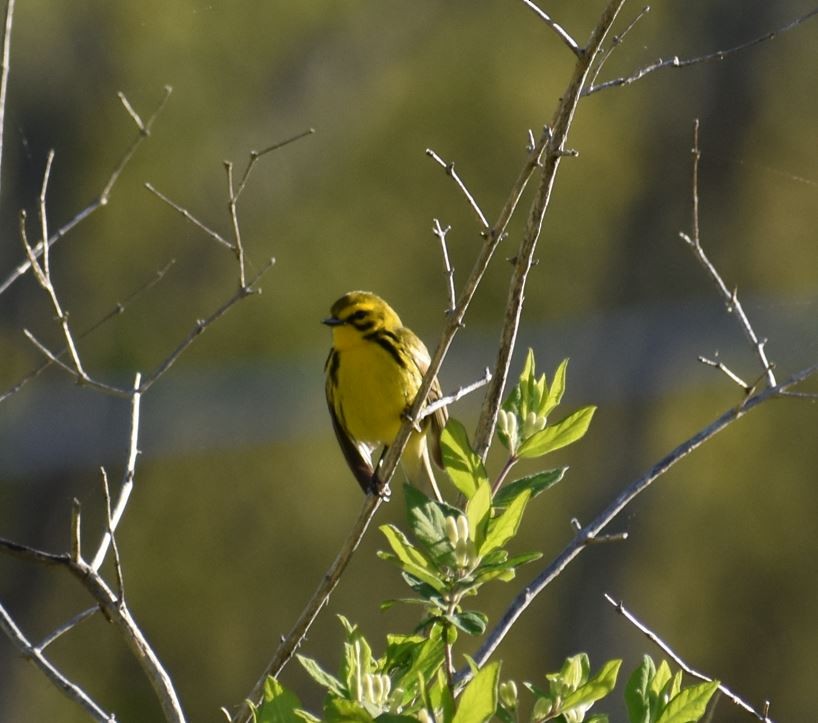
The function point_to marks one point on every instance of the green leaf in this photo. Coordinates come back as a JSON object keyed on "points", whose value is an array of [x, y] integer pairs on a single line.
{"points": [[426, 520], [465, 468], [420, 659], [470, 622], [320, 676], [637, 697], [279, 705], [690, 704], [554, 396], [339, 710], [411, 560], [479, 699], [503, 527], [536, 483], [478, 512], [395, 718], [597, 687], [558, 435]]}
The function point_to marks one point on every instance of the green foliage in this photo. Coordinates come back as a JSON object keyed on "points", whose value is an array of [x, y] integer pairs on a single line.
{"points": [[446, 554], [522, 424], [654, 695]]}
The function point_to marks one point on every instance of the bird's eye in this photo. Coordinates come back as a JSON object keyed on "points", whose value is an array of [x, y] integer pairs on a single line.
{"points": [[358, 315]]}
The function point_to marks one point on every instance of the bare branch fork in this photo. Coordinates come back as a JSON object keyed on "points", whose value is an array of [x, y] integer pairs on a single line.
{"points": [[144, 130], [730, 297], [677, 62], [667, 650]]}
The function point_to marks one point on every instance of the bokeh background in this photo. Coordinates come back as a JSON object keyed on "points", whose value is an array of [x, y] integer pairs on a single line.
{"points": [[241, 496]]}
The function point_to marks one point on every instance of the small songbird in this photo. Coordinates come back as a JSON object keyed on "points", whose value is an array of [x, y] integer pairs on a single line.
{"points": [[373, 373]]}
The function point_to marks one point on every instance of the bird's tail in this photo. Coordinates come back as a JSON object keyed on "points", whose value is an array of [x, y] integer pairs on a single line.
{"points": [[418, 466]]}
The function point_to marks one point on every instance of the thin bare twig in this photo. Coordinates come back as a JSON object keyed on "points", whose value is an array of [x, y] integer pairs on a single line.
{"points": [[202, 324], [461, 392], [114, 517], [441, 232], [559, 30], [100, 201], [729, 373], [667, 650], [616, 41], [76, 529], [554, 151], [590, 531], [109, 523], [449, 168], [730, 297], [255, 155], [118, 309], [232, 199], [67, 626], [66, 687], [677, 62], [5, 65], [190, 218]]}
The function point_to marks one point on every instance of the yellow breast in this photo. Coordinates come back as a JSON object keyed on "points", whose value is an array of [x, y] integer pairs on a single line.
{"points": [[373, 391]]}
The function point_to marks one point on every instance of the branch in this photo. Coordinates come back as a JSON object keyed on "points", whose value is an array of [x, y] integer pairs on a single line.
{"points": [[215, 235], [114, 516], [202, 324], [561, 33], [653, 637], [449, 168], [591, 531], [101, 200], [66, 687], [441, 232], [319, 598], [730, 297], [4, 72], [118, 308], [553, 154], [116, 611], [676, 62]]}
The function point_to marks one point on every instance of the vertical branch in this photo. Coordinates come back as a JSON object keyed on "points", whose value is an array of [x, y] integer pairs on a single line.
{"points": [[234, 220], [554, 151], [4, 75], [127, 484]]}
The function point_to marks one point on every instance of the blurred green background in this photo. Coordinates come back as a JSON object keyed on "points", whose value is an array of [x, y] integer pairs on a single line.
{"points": [[241, 496]]}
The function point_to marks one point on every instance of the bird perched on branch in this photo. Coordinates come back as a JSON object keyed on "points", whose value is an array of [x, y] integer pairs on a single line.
{"points": [[373, 373]]}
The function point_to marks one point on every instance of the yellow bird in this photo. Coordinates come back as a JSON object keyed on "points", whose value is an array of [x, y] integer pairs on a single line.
{"points": [[373, 373]]}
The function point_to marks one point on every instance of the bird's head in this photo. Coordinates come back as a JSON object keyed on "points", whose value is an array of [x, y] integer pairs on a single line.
{"points": [[357, 314]]}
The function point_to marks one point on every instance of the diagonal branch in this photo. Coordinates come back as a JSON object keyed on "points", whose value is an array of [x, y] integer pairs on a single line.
{"points": [[677, 62], [587, 534], [561, 33], [35, 655], [553, 154], [730, 297], [653, 637], [117, 612], [101, 200]]}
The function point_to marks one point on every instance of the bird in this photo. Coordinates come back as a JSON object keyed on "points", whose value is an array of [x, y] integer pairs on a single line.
{"points": [[373, 372]]}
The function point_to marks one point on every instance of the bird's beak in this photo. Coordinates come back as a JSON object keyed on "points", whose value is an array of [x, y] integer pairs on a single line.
{"points": [[332, 321]]}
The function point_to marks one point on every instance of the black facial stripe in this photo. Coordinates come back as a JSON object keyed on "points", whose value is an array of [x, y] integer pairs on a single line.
{"points": [[388, 341]]}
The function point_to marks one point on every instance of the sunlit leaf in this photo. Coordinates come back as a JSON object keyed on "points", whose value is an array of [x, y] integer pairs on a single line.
{"points": [[536, 483], [479, 699], [556, 436], [465, 468], [321, 676], [503, 527], [690, 704]]}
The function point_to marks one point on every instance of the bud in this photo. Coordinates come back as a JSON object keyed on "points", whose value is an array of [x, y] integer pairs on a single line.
{"points": [[508, 694]]}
